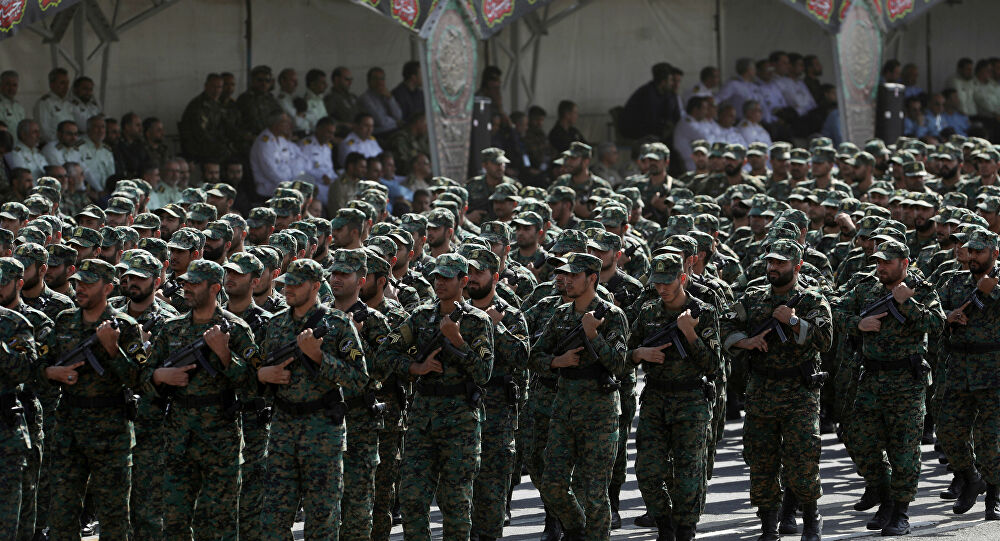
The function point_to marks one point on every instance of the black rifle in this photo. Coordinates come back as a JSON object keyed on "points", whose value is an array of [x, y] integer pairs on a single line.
{"points": [[170, 287], [439, 341], [359, 311], [888, 304], [775, 325], [578, 338], [196, 352], [671, 335], [974, 296], [84, 351], [153, 321], [292, 349]]}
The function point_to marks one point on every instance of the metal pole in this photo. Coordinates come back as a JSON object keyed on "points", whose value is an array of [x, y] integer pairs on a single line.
{"points": [[78, 54], [515, 61], [719, 42], [927, 40], [105, 60], [249, 23], [425, 68]]}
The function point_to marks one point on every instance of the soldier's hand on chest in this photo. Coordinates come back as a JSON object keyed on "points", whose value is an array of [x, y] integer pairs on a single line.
{"points": [[173, 376], [451, 331], [569, 359], [872, 323], [218, 342], [986, 284], [277, 374], [310, 345], [432, 364], [902, 292], [495, 315], [590, 325], [108, 335], [782, 313], [957, 316]]}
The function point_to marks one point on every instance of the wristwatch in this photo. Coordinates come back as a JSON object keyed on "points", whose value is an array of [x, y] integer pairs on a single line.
{"points": [[793, 321]]}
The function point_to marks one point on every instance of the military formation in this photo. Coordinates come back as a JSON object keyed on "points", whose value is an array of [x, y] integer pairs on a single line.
{"points": [[194, 373]]}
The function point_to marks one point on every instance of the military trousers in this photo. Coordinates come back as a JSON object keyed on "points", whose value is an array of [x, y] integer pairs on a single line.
{"points": [[390, 458], [30, 477], [360, 463], [147, 472], [253, 476], [629, 401], [14, 444], [44, 493], [965, 413], [489, 494]]}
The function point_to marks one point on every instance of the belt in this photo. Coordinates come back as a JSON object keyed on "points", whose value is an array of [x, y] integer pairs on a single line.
{"points": [[438, 389], [193, 402], [551, 384], [885, 366], [251, 405], [675, 386], [96, 402], [779, 373], [301, 409], [974, 348], [589, 372]]}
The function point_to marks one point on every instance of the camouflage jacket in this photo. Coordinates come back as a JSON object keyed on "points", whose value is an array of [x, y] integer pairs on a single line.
{"points": [[703, 356], [121, 371], [49, 302], [970, 371]]}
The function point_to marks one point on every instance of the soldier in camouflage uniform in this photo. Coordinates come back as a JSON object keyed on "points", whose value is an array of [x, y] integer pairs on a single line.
{"points": [[264, 294], [441, 456], [889, 405], [501, 395], [36, 293], [971, 390], [185, 247], [583, 442], [93, 439], [364, 414], [17, 366], [307, 439], [521, 280], [579, 177], [676, 408], [781, 428], [202, 434]]}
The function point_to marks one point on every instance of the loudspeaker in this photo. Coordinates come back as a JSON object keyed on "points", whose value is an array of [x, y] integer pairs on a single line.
{"points": [[482, 113], [889, 112]]}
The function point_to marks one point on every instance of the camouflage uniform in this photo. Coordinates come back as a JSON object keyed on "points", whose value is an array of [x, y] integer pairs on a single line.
{"points": [[17, 359], [676, 412], [93, 438], [441, 457], [583, 443], [307, 439]]}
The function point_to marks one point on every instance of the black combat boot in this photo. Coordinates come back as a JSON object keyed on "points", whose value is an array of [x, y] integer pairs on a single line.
{"points": [[553, 528], [899, 523], [645, 520], [487, 538], [685, 533], [613, 496], [869, 499], [786, 516], [992, 505], [954, 489], [812, 523], [974, 486], [928, 436], [768, 525], [665, 529], [883, 516], [572, 535]]}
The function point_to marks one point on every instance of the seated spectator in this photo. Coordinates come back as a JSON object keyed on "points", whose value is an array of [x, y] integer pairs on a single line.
{"points": [[409, 93], [565, 131], [273, 157], [953, 115], [776, 112], [85, 105], [728, 133], [380, 104], [232, 174], [707, 85], [300, 122], [987, 91], [410, 141], [420, 174], [651, 108], [341, 103], [315, 108], [288, 84], [750, 127], [156, 148], [54, 107], [170, 176], [813, 71], [691, 128], [421, 201], [515, 148], [211, 171], [346, 187], [11, 111], [797, 95], [96, 158], [741, 87], [130, 152], [114, 132], [934, 116], [151, 174], [360, 139], [63, 148], [606, 166], [910, 77], [964, 83], [316, 155], [256, 106], [25, 152]]}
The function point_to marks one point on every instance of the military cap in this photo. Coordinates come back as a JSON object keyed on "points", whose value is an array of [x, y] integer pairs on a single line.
{"points": [[990, 204], [891, 249], [305, 227], [172, 209], [402, 237], [142, 263], [384, 245], [374, 264], [365, 185], [779, 150], [667, 268], [244, 263], [875, 146], [847, 150], [144, 186], [560, 193], [348, 261], [949, 152], [381, 228], [528, 218], [60, 254], [202, 212], [450, 265], [235, 221], [785, 250], [379, 200], [914, 169], [902, 157], [30, 234], [285, 206], [706, 222], [305, 187], [685, 243], [656, 151], [570, 240], [735, 151], [817, 142], [42, 225], [931, 200], [982, 240], [369, 210], [47, 192], [202, 270], [784, 229], [10, 269], [146, 220], [111, 236], [37, 205], [12, 210], [717, 149], [882, 187], [120, 205], [85, 236], [50, 182], [414, 223], [849, 205], [577, 262], [219, 230], [440, 217], [494, 155], [268, 255], [699, 145], [301, 240], [260, 217], [604, 241], [705, 240], [580, 149], [613, 216], [128, 234], [94, 270], [861, 158], [185, 238], [31, 253], [679, 225], [823, 154], [322, 226], [538, 207], [868, 224], [155, 246], [483, 259], [757, 148], [346, 216], [192, 195], [6, 237], [443, 181], [888, 231], [504, 192]]}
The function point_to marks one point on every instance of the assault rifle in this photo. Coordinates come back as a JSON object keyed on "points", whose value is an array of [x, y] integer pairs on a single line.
{"points": [[358, 311], [196, 352], [671, 335], [578, 338], [775, 325], [439, 341], [974, 297], [292, 349], [170, 287], [888, 304], [84, 351]]}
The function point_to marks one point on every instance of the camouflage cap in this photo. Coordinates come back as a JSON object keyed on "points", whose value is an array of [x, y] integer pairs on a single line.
{"points": [[367, 208], [780, 151], [925, 199], [666, 269], [30, 234], [401, 237], [483, 259], [145, 187], [261, 216], [202, 270], [42, 225], [30, 253], [172, 209], [717, 149], [120, 205], [128, 234], [706, 222], [285, 206], [861, 159], [914, 169], [365, 185], [656, 151], [440, 217], [847, 150], [12, 210], [283, 242], [891, 249], [48, 192], [444, 182], [570, 240], [10, 269], [322, 225], [221, 189], [348, 261], [785, 250], [579, 149], [142, 263], [537, 206], [235, 221], [244, 263], [301, 240], [613, 216], [868, 224], [528, 219], [346, 216], [875, 146], [37, 205], [304, 187], [685, 244], [604, 241], [219, 230], [155, 246], [146, 220], [577, 262], [504, 192], [384, 245], [50, 182], [882, 187], [374, 263], [192, 195], [679, 225], [816, 142], [498, 232], [990, 204], [735, 151], [305, 227], [379, 200], [823, 154], [269, 256], [93, 270], [202, 212], [450, 265], [185, 238], [887, 232], [6, 237], [560, 193], [757, 148], [287, 191], [982, 240], [381, 228], [799, 155], [85, 236], [533, 192], [61, 254], [706, 241], [493, 155]]}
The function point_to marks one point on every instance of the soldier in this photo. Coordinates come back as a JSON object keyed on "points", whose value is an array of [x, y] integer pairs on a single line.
{"points": [[889, 405], [583, 443], [348, 272], [676, 410], [781, 428], [499, 236], [264, 294], [185, 247], [442, 450], [257, 105], [579, 177], [36, 293], [260, 225], [971, 388], [92, 442], [17, 359], [501, 395], [307, 437], [481, 188]]}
